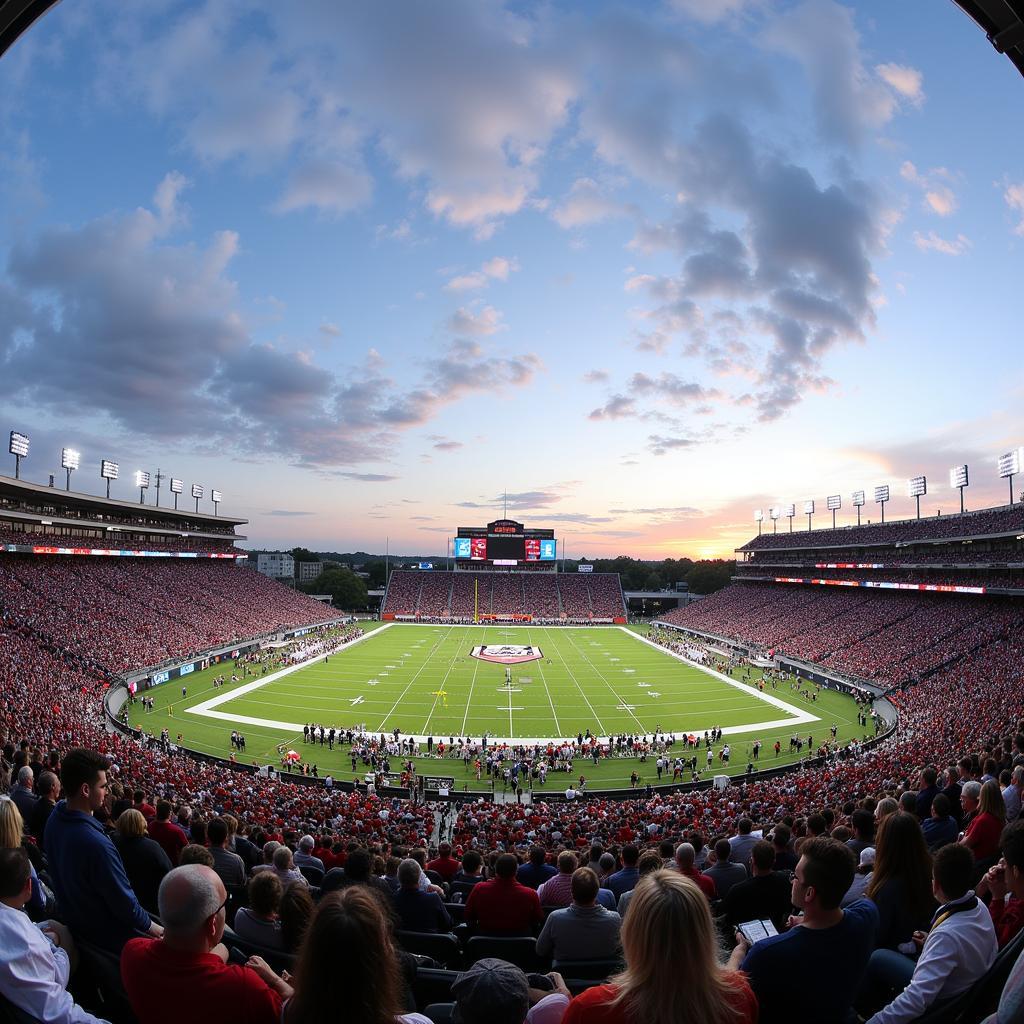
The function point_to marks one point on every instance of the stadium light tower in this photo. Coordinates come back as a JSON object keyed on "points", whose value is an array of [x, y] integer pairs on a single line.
{"points": [[70, 460], [958, 479], [217, 498], [859, 501], [19, 449], [176, 488], [1009, 466], [108, 471], [809, 511], [790, 512], [142, 482], [759, 519], [916, 486], [197, 493], [773, 514], [834, 502], [159, 479], [881, 497]]}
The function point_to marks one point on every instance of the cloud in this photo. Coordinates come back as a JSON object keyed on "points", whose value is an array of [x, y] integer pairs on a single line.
{"points": [[368, 478], [595, 377], [939, 198], [329, 187], [1013, 196], [616, 408], [522, 500], [947, 246], [444, 444], [661, 513], [586, 203], [498, 268], [658, 444], [467, 323], [710, 12], [286, 513], [331, 330], [905, 80]]}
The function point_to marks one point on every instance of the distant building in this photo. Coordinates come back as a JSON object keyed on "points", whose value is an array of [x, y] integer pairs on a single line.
{"points": [[279, 565], [309, 571]]}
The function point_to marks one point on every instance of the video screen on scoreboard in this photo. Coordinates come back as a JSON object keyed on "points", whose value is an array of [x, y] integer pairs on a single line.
{"points": [[478, 549], [506, 548]]}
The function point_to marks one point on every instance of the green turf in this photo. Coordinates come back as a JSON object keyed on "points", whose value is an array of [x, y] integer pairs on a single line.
{"points": [[422, 680]]}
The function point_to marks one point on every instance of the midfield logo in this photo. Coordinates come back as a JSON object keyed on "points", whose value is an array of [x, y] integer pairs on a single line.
{"points": [[507, 654]]}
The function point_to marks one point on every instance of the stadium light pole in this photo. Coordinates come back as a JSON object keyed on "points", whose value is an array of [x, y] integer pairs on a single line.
{"points": [[159, 478], [834, 502], [108, 471], [809, 511], [142, 482], [177, 486], [859, 501], [790, 512], [70, 460], [773, 514], [916, 486], [881, 497], [1009, 466], [197, 493], [216, 497], [759, 519], [19, 449], [958, 478]]}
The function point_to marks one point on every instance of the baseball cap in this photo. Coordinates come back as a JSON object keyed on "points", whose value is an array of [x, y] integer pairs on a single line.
{"points": [[492, 991], [867, 856]]}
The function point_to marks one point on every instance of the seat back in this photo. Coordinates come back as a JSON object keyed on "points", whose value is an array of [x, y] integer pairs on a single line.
{"points": [[277, 959], [519, 950], [588, 970], [440, 946], [98, 986], [441, 1013], [312, 874]]}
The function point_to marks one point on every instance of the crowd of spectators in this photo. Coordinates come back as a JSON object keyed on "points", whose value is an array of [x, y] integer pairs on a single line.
{"points": [[1007, 580], [545, 597], [100, 537]]}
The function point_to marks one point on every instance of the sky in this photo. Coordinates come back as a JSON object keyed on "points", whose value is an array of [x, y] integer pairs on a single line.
{"points": [[643, 268]]}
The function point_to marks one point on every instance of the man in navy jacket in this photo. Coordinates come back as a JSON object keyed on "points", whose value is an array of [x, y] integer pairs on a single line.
{"points": [[95, 897]]}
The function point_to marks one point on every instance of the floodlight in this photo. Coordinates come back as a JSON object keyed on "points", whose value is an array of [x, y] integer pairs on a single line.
{"points": [[197, 490], [70, 459], [142, 479], [791, 511], [1010, 465], [858, 498], [774, 512], [809, 507], [216, 497], [916, 486], [176, 485], [19, 449], [108, 471], [958, 478], [882, 493], [834, 501], [758, 515]]}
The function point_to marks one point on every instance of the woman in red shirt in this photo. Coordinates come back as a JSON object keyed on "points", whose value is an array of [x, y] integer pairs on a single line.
{"points": [[982, 835], [672, 969]]}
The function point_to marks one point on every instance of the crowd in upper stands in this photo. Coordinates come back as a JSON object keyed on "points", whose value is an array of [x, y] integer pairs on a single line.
{"points": [[459, 596], [116, 539]]}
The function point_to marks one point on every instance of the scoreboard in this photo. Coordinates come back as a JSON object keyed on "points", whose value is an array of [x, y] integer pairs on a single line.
{"points": [[504, 542]]}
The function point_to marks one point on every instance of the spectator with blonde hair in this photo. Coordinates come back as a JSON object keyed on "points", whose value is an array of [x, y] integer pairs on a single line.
{"points": [[672, 968], [12, 837], [143, 857], [982, 835]]}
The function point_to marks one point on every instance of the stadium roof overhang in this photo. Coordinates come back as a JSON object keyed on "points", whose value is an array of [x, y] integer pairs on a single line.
{"points": [[16, 16], [1003, 22], [91, 505]]}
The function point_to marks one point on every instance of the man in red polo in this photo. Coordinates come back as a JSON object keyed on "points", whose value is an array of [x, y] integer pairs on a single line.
{"points": [[685, 857], [190, 958], [166, 833], [444, 863], [503, 906]]}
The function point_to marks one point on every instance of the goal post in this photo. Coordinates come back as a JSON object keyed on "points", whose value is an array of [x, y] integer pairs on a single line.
{"points": [[508, 675]]}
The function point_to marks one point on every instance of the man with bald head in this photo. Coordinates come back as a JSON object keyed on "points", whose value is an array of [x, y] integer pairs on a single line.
{"points": [[190, 958], [684, 864]]}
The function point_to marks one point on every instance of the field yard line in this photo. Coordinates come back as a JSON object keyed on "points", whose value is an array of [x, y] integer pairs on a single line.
{"points": [[413, 680], [621, 700], [208, 705], [441, 687], [469, 699], [583, 693], [544, 680], [801, 716]]}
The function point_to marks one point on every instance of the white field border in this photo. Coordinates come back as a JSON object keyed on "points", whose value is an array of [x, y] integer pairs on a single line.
{"points": [[799, 715]]}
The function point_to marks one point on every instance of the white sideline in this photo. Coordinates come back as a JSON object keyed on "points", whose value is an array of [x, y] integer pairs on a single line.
{"points": [[800, 716], [206, 708]]}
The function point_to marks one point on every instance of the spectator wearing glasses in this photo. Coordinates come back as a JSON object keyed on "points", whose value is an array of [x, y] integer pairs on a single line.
{"points": [[827, 947], [190, 958]]}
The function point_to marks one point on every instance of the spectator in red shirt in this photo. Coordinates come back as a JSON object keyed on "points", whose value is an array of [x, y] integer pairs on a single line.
{"points": [[502, 906], [141, 804], [685, 857], [191, 958], [672, 969], [166, 833], [1005, 883], [445, 864], [982, 835]]}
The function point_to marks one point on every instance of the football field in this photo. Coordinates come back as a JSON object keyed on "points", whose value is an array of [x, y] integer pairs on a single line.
{"points": [[508, 683]]}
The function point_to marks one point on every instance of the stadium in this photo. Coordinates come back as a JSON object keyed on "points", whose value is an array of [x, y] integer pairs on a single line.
{"points": [[220, 788]]}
